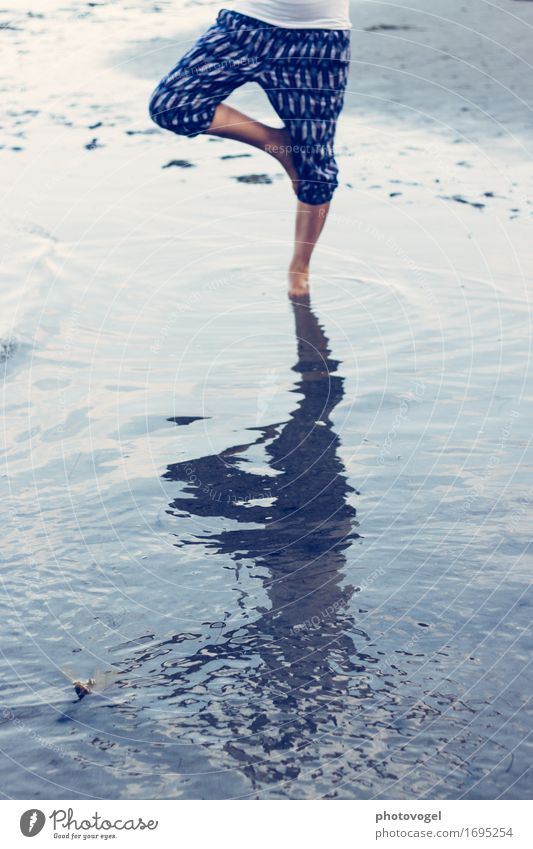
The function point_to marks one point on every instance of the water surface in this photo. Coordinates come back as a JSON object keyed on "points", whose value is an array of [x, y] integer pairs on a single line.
{"points": [[293, 539]]}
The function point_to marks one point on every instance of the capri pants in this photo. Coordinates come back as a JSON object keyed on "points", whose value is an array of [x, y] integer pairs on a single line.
{"points": [[302, 71]]}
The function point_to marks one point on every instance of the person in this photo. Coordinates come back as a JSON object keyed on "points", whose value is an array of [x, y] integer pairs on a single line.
{"points": [[299, 53]]}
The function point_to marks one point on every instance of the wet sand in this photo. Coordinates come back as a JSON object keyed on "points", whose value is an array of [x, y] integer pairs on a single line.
{"points": [[296, 535]]}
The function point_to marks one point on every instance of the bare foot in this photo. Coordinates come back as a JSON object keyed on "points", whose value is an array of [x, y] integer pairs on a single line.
{"points": [[298, 280], [280, 149]]}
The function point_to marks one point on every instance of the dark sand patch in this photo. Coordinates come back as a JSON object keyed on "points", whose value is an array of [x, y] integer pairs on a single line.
{"points": [[236, 156], [388, 27], [256, 179], [151, 131], [461, 199], [8, 348], [93, 144], [182, 421], [179, 163]]}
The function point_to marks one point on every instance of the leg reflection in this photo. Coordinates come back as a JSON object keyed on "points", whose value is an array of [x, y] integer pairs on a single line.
{"points": [[285, 673]]}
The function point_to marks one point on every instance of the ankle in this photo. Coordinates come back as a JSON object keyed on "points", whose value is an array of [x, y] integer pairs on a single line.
{"points": [[299, 265], [298, 282]]}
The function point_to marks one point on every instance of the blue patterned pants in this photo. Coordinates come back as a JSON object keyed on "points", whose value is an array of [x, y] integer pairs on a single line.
{"points": [[302, 71]]}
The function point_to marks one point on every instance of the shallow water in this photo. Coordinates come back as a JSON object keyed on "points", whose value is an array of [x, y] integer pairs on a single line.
{"points": [[295, 536]]}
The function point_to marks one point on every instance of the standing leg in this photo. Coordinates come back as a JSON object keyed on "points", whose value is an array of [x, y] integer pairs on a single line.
{"points": [[306, 88], [310, 219]]}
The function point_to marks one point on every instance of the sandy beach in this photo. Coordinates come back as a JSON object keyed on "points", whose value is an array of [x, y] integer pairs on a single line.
{"points": [[357, 630]]}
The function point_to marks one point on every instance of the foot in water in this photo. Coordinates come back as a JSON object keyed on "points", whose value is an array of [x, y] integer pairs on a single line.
{"points": [[298, 280]]}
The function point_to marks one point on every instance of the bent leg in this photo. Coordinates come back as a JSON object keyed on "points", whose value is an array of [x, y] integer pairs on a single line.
{"points": [[186, 99], [229, 123]]}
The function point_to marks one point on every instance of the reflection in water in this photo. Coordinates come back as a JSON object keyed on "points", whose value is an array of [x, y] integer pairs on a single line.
{"points": [[279, 695], [271, 685]]}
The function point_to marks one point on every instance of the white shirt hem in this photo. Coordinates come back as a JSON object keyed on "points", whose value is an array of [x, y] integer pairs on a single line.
{"points": [[320, 24]]}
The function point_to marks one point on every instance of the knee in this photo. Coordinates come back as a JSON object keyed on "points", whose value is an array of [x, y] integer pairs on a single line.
{"points": [[159, 107], [153, 106], [316, 191], [168, 108], [317, 185], [318, 175]]}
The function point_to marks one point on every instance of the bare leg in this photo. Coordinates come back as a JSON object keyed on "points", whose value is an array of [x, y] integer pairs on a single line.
{"points": [[310, 219], [229, 123]]}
